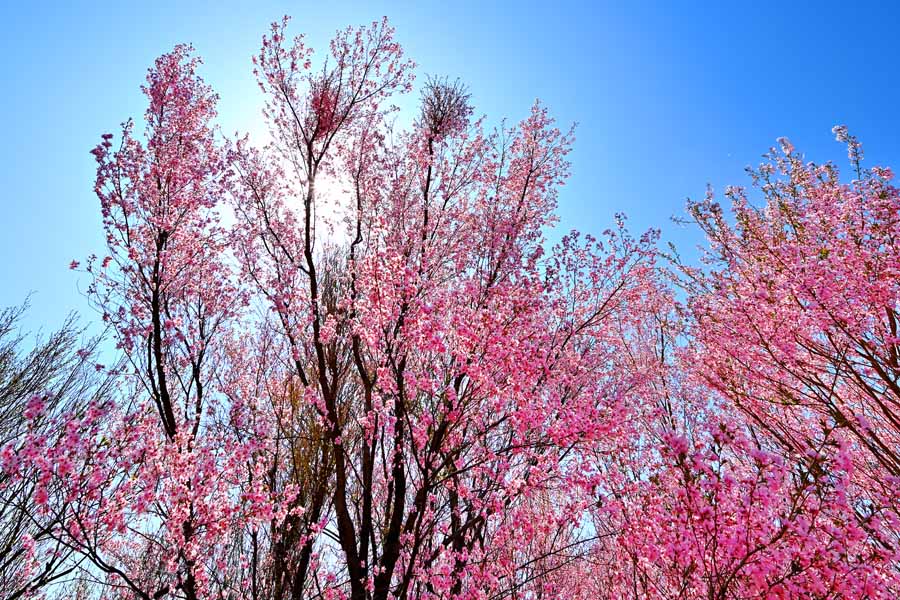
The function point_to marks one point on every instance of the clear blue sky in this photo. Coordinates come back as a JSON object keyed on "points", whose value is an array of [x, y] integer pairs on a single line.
{"points": [[668, 96]]}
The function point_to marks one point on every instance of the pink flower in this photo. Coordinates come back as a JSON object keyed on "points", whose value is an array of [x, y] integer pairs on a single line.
{"points": [[35, 407], [40, 496]]}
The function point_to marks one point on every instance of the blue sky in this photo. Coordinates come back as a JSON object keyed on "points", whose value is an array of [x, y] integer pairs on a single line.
{"points": [[668, 97]]}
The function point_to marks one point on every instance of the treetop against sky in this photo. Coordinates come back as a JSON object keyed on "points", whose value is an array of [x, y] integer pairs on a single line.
{"points": [[358, 358], [667, 97]]}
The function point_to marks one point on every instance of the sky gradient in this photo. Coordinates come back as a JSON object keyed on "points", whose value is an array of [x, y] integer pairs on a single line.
{"points": [[667, 98]]}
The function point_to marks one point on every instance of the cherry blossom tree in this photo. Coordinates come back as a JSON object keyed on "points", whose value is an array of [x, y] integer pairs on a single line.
{"points": [[353, 366], [794, 327], [447, 360], [58, 369], [142, 484]]}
